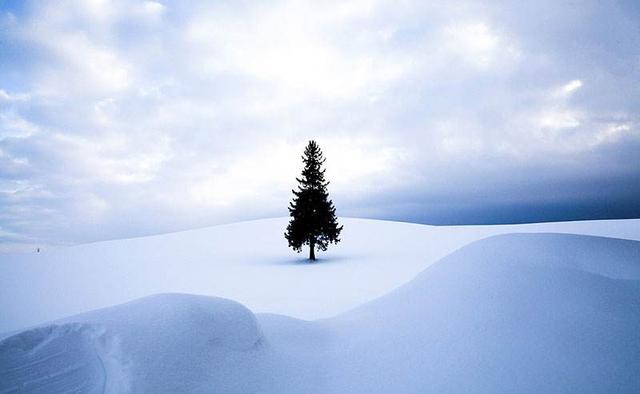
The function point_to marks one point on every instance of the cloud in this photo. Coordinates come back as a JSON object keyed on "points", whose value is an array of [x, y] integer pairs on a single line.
{"points": [[570, 87], [14, 126], [9, 97], [113, 158], [125, 118], [476, 44], [559, 119], [292, 49]]}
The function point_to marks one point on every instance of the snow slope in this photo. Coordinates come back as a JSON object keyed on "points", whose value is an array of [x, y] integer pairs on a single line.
{"points": [[511, 313], [541, 312], [248, 262]]}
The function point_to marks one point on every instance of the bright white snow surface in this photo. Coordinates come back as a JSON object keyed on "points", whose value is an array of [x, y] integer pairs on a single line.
{"points": [[537, 312], [247, 262]]}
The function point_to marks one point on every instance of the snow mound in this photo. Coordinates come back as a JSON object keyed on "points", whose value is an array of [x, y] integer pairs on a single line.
{"points": [[510, 313], [225, 323], [161, 343], [610, 257]]}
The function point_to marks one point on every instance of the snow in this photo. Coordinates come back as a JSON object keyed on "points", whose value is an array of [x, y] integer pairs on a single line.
{"points": [[511, 313], [247, 262], [168, 342], [415, 309], [53, 358]]}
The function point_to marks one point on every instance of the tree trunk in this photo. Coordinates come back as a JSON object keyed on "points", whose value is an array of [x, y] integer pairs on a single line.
{"points": [[312, 249]]}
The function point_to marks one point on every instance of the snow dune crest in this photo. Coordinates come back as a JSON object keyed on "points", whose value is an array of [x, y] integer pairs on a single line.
{"points": [[611, 257]]}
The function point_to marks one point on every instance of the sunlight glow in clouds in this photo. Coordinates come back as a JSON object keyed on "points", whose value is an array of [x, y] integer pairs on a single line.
{"points": [[287, 47], [128, 117], [250, 177]]}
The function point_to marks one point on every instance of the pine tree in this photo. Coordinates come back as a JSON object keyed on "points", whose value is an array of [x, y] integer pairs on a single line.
{"points": [[313, 216]]}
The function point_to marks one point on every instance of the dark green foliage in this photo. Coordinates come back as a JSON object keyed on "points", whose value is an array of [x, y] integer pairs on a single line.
{"points": [[313, 216]]}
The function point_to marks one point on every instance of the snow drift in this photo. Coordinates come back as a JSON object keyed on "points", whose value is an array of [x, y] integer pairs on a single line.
{"points": [[510, 313], [164, 343]]}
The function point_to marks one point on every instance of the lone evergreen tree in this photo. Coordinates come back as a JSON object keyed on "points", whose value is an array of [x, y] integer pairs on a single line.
{"points": [[313, 216]]}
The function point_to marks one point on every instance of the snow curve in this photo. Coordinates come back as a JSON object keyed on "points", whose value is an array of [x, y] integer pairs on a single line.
{"points": [[509, 313]]}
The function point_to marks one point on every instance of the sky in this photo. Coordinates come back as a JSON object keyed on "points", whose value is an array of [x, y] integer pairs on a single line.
{"points": [[125, 118]]}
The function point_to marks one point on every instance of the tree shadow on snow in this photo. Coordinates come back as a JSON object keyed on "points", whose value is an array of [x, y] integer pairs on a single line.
{"points": [[302, 261]]}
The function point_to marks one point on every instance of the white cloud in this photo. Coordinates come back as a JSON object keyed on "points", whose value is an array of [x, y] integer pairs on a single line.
{"points": [[152, 9], [477, 44], [202, 109], [567, 90], [611, 132], [85, 67], [559, 119], [291, 48], [10, 97], [15, 126], [113, 11], [571, 87], [558, 116], [113, 158]]}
